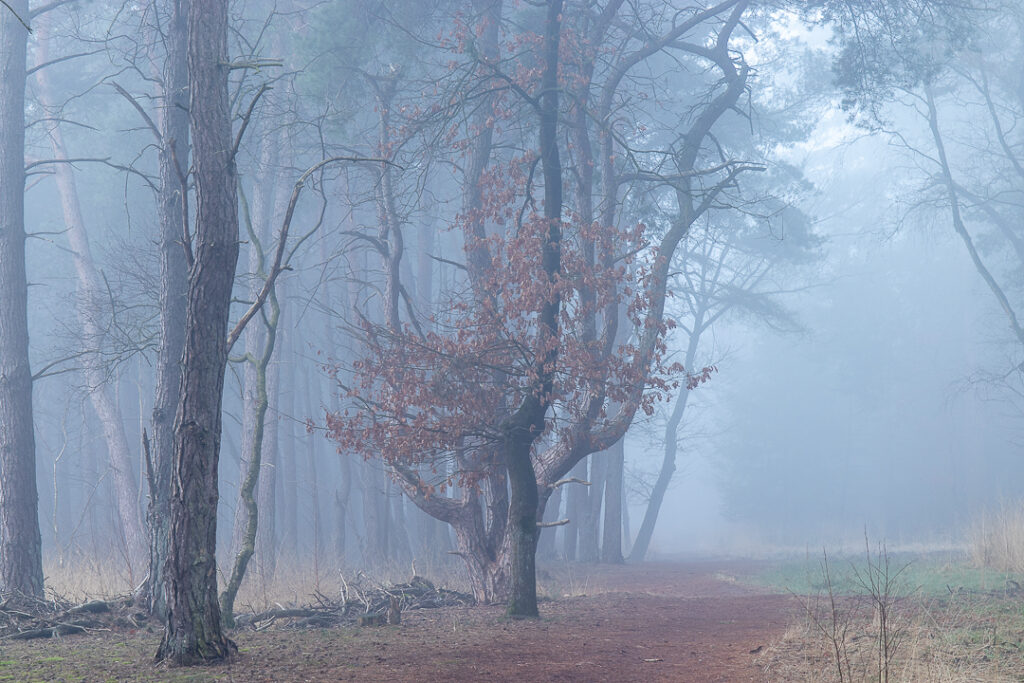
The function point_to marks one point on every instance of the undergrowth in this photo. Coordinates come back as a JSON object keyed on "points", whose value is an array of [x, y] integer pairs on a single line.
{"points": [[882, 617]]}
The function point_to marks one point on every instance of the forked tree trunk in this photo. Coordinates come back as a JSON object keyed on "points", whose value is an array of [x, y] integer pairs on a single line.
{"points": [[21, 564], [254, 466], [488, 568], [257, 217], [193, 631], [524, 427]]}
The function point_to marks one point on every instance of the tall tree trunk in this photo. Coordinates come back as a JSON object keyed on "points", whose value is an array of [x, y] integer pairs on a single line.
{"points": [[527, 424], [288, 513], [270, 465], [375, 513], [21, 563], [254, 473], [311, 380], [91, 302], [171, 212], [611, 543], [343, 493], [522, 525], [546, 544], [193, 624], [342, 496], [401, 548], [668, 462], [257, 220], [249, 397], [590, 524], [575, 510], [960, 227]]}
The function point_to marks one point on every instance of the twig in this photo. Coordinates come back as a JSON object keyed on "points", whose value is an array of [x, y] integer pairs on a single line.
{"points": [[569, 480]]}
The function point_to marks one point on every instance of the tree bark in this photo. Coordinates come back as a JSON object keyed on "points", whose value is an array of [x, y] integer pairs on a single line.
{"points": [[173, 219], [193, 624], [21, 564]]}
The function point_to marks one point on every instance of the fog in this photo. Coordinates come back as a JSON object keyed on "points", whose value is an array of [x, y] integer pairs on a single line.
{"points": [[865, 377], [884, 413]]}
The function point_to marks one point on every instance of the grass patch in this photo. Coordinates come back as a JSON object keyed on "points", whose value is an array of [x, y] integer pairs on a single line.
{"points": [[950, 620], [926, 575]]}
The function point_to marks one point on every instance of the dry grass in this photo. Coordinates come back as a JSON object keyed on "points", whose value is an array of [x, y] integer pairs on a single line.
{"points": [[964, 638], [996, 540], [291, 584], [965, 635], [85, 578]]}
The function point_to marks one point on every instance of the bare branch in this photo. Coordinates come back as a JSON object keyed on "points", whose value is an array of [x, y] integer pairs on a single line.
{"points": [[569, 480], [246, 118], [16, 16], [138, 107], [39, 67], [277, 267]]}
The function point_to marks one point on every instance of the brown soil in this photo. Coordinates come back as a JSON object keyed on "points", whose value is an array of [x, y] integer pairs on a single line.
{"points": [[656, 622]]}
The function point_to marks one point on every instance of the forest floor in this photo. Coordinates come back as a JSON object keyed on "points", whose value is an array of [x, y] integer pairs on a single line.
{"points": [[685, 621]]}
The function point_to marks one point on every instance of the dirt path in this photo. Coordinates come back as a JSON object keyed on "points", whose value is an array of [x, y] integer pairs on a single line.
{"points": [[660, 622]]}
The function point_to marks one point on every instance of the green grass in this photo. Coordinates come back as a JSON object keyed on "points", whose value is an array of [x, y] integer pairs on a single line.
{"points": [[927, 576]]}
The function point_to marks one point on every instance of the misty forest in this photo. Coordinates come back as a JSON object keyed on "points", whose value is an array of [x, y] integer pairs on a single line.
{"points": [[470, 340]]}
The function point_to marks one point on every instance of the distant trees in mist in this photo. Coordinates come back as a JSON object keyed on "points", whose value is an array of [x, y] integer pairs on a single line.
{"points": [[378, 283]]}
